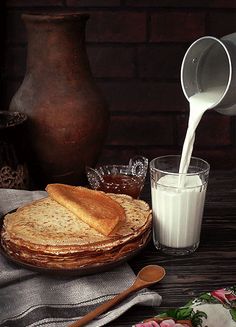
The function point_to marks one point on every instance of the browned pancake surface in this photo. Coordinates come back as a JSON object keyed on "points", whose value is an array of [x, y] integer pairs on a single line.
{"points": [[95, 208]]}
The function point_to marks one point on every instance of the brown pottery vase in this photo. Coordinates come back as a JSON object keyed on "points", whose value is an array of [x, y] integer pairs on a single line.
{"points": [[67, 116]]}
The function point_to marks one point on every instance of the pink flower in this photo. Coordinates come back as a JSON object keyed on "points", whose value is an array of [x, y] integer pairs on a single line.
{"points": [[164, 323], [168, 323], [223, 295], [148, 324], [171, 323]]}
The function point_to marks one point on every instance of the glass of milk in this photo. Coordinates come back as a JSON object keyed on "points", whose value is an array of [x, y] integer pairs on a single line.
{"points": [[177, 203]]}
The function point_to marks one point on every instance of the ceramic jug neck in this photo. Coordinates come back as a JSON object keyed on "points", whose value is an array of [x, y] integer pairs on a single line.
{"points": [[56, 44]]}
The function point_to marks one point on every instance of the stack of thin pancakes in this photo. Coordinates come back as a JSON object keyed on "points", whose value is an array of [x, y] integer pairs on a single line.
{"points": [[46, 234]]}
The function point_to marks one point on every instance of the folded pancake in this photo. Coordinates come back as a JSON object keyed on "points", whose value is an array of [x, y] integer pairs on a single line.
{"points": [[46, 234], [95, 208]]}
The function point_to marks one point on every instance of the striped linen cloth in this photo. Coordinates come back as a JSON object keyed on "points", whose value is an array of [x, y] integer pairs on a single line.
{"points": [[30, 299]]}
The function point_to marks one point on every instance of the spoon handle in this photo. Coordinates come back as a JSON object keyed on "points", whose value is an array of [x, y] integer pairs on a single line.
{"points": [[107, 305]]}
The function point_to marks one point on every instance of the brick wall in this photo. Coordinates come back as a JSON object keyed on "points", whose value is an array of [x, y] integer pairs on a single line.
{"points": [[135, 49]]}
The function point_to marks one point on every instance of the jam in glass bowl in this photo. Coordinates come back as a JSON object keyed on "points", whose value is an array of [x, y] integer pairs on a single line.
{"points": [[121, 179]]}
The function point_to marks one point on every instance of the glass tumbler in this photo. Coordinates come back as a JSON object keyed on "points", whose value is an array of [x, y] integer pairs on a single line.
{"points": [[177, 203]]}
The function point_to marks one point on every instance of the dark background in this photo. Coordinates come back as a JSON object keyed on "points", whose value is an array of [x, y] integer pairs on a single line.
{"points": [[135, 49]]}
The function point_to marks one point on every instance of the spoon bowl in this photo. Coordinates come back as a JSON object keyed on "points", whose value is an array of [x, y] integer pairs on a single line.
{"points": [[151, 274], [147, 276]]}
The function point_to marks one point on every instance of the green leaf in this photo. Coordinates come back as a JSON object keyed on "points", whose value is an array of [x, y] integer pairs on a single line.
{"points": [[201, 314], [184, 313], [232, 288], [207, 298], [172, 313], [197, 318], [233, 314]]}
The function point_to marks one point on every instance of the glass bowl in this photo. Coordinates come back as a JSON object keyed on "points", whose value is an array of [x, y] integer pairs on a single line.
{"points": [[121, 179]]}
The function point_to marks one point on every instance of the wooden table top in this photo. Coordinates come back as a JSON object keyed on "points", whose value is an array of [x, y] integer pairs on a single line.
{"points": [[212, 266]]}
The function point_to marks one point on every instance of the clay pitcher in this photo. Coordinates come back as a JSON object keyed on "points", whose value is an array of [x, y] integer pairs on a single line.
{"points": [[67, 115]]}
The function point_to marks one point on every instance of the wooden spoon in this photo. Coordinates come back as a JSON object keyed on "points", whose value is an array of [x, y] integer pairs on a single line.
{"points": [[148, 275]]}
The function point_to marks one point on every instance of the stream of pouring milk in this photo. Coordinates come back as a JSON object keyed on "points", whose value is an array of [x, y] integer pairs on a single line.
{"points": [[198, 103], [178, 206]]}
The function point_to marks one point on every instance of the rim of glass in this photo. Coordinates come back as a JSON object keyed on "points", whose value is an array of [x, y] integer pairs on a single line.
{"points": [[178, 174]]}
